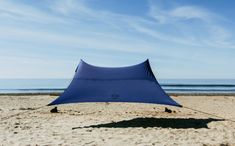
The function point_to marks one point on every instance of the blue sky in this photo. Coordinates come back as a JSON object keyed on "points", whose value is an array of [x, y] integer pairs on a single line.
{"points": [[182, 38]]}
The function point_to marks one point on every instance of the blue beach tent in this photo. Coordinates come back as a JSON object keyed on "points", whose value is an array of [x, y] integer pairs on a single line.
{"points": [[122, 84]]}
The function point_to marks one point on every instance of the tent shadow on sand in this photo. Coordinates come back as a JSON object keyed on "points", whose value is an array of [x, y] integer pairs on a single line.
{"points": [[175, 123]]}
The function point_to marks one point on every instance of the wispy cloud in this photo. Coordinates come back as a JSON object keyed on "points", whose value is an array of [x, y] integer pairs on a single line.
{"points": [[77, 12], [204, 28], [167, 30], [179, 13], [190, 12], [26, 13]]}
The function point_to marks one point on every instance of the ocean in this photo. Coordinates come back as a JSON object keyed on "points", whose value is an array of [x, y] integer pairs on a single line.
{"points": [[224, 86]]}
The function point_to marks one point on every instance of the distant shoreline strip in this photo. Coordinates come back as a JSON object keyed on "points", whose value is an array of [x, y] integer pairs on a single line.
{"points": [[171, 94]]}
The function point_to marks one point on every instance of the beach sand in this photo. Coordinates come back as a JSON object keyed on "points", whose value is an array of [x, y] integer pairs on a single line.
{"points": [[116, 124]]}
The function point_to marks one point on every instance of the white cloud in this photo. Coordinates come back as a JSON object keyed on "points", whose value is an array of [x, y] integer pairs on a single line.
{"points": [[190, 12], [74, 26], [205, 31], [77, 12], [26, 13], [89, 41], [173, 13]]}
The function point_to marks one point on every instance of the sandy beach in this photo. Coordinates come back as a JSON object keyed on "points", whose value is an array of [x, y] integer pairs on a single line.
{"points": [[117, 123]]}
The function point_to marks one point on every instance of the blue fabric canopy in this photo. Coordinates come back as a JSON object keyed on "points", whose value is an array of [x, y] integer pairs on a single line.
{"points": [[123, 84]]}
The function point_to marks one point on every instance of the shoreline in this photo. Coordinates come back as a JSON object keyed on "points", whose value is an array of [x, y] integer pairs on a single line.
{"points": [[170, 94]]}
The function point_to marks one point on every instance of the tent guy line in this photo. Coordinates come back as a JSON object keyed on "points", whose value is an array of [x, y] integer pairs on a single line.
{"points": [[20, 113], [196, 110]]}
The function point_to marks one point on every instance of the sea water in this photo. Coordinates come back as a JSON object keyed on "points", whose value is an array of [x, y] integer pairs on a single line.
{"points": [[169, 85]]}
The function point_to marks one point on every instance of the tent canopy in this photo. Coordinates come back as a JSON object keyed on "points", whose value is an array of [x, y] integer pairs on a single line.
{"points": [[135, 83]]}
